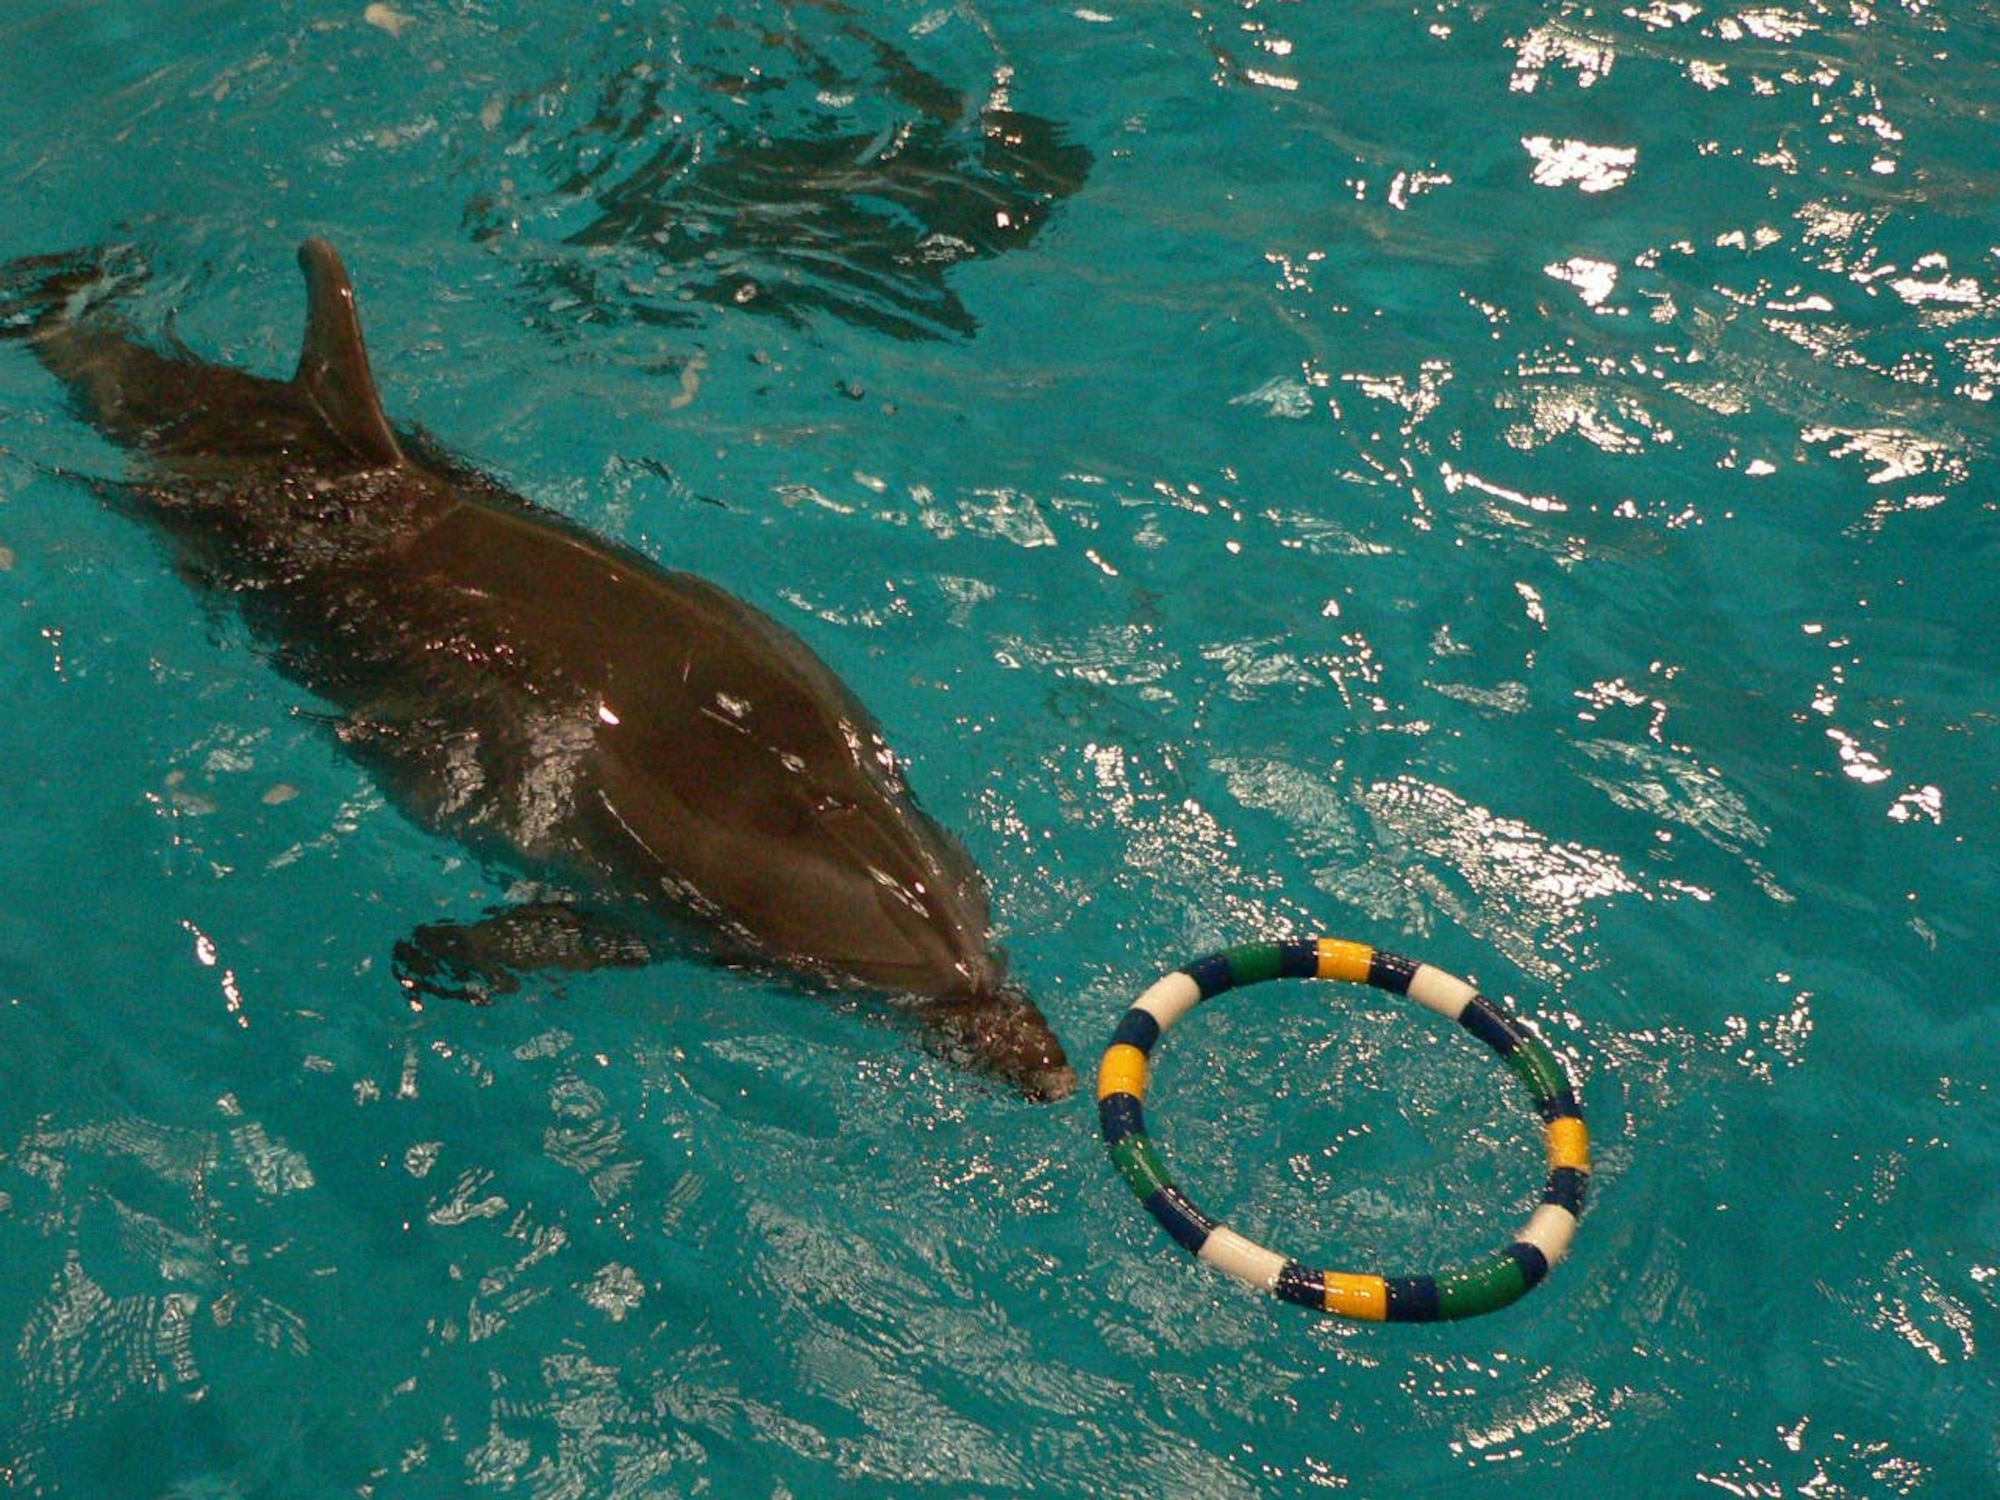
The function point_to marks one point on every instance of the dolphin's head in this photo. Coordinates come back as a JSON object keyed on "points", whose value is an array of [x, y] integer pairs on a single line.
{"points": [[910, 917], [765, 793], [840, 872], [881, 893]]}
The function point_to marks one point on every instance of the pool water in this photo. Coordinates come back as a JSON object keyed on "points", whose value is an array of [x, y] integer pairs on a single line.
{"points": [[1509, 483]]}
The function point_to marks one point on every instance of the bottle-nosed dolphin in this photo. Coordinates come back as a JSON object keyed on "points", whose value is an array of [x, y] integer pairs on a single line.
{"points": [[646, 742]]}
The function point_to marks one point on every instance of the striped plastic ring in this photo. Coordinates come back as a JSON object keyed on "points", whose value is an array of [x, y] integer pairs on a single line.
{"points": [[1478, 1288]]}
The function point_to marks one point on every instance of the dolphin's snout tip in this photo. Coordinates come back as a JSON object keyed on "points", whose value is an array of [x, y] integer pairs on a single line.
{"points": [[1001, 1032]]}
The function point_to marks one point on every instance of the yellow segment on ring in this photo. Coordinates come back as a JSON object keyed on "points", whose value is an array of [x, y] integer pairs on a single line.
{"points": [[1569, 1144], [1352, 1296], [1123, 1071], [1340, 959]]}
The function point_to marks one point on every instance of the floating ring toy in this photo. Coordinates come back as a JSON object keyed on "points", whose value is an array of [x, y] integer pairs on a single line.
{"points": [[1478, 1288]]}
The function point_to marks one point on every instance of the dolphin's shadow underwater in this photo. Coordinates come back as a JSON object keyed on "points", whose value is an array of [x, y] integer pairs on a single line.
{"points": [[661, 752], [790, 163]]}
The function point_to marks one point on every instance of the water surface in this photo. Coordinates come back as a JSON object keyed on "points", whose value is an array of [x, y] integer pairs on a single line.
{"points": [[1511, 483]]}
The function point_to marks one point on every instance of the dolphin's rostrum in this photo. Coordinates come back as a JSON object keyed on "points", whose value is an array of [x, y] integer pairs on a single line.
{"points": [[638, 739]]}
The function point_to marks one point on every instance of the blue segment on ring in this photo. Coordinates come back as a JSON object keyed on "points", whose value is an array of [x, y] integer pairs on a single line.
{"points": [[1567, 1188], [1484, 1020], [1298, 960], [1138, 1029], [1534, 1265], [1189, 1226], [1392, 972], [1412, 1299], [1212, 974], [1121, 1116], [1303, 1285]]}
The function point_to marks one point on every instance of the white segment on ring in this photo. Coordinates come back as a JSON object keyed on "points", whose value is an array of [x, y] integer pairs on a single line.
{"points": [[1170, 998], [1550, 1230], [1246, 1260], [1444, 993]]}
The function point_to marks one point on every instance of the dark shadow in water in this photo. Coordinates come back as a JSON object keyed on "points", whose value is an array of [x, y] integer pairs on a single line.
{"points": [[829, 174]]}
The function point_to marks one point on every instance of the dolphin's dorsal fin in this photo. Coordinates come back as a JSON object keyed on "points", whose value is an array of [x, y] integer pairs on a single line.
{"points": [[333, 365]]}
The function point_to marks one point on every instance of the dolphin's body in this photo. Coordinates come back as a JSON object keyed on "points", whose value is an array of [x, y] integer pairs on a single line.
{"points": [[639, 739]]}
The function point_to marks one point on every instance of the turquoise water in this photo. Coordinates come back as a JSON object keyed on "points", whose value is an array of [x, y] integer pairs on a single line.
{"points": [[1510, 483]]}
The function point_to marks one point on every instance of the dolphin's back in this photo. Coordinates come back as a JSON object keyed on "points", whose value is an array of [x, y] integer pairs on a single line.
{"points": [[174, 409], [191, 416]]}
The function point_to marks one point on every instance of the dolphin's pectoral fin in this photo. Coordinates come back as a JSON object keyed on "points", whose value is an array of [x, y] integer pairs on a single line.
{"points": [[475, 961]]}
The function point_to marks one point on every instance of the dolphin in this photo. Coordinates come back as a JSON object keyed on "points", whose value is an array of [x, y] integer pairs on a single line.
{"points": [[660, 755]]}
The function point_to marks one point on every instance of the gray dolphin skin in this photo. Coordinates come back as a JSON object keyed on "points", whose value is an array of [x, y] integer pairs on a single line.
{"points": [[665, 756]]}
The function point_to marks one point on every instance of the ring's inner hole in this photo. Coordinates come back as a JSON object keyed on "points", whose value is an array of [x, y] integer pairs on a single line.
{"points": [[1349, 1130]]}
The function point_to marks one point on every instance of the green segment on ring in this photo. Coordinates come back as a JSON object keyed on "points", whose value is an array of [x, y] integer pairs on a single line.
{"points": [[1140, 1165], [1481, 1287], [1253, 963], [1538, 1069]]}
